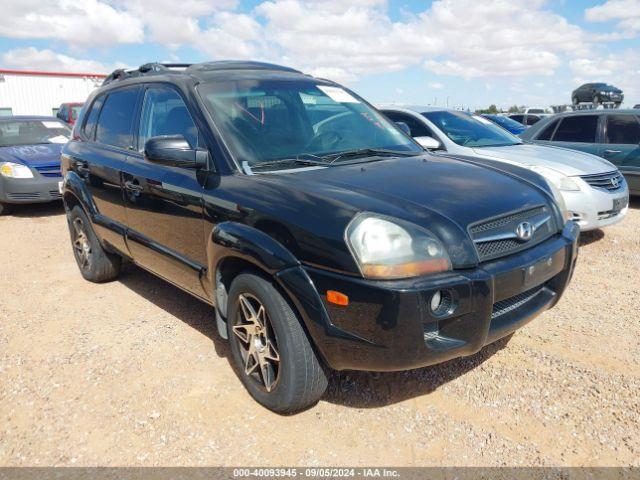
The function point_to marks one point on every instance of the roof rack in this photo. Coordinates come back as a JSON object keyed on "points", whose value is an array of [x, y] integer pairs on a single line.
{"points": [[147, 68], [220, 65]]}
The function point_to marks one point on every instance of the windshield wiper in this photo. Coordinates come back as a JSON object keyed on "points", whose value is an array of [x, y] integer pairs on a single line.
{"points": [[371, 152], [303, 159]]}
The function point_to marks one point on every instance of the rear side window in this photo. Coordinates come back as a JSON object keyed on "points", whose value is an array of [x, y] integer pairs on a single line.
{"points": [[517, 118], [531, 119], [623, 129], [89, 128], [580, 129], [116, 118], [548, 131]]}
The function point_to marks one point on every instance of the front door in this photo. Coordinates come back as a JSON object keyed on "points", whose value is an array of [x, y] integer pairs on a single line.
{"points": [[164, 204], [622, 147]]}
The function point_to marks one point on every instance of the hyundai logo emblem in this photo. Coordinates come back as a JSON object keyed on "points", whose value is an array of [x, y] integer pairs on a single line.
{"points": [[615, 182], [525, 231]]}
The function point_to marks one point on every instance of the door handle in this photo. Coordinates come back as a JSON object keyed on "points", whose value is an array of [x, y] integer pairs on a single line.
{"points": [[132, 186], [612, 152]]}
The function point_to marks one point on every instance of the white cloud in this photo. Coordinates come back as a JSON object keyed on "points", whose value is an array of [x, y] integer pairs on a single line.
{"points": [[47, 60], [625, 12], [81, 22], [435, 85]]}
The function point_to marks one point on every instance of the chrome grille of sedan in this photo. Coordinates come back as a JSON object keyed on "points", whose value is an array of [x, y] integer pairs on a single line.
{"points": [[607, 181], [500, 236]]}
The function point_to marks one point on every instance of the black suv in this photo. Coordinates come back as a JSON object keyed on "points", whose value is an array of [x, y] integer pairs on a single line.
{"points": [[324, 236], [597, 93]]}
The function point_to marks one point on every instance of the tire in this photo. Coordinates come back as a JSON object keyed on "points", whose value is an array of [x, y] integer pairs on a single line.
{"points": [[295, 380], [596, 101], [575, 101], [5, 208], [95, 263]]}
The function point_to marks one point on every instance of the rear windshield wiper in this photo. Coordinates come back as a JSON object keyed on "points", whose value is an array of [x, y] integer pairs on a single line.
{"points": [[370, 152]]}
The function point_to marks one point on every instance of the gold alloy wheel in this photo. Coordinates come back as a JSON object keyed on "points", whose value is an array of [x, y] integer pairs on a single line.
{"points": [[81, 244], [257, 342]]}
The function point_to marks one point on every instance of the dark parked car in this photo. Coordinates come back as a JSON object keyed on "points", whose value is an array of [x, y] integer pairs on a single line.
{"points": [[507, 123], [324, 236], [69, 112], [611, 134], [30, 159], [597, 93], [525, 118]]}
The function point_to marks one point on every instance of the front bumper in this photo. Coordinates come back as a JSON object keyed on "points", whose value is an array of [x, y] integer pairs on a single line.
{"points": [[592, 208], [39, 189], [389, 326]]}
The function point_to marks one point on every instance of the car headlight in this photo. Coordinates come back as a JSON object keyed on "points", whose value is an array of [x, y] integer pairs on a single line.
{"points": [[562, 205], [15, 170], [387, 248], [560, 180]]}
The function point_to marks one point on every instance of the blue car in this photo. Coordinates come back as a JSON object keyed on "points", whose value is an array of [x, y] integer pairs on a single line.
{"points": [[507, 123], [30, 159]]}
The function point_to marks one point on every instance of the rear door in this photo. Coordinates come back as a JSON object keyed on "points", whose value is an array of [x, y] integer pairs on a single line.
{"points": [[164, 204], [99, 159], [578, 132], [622, 146]]}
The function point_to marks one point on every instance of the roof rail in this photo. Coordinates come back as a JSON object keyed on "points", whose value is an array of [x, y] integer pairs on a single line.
{"points": [[153, 67]]}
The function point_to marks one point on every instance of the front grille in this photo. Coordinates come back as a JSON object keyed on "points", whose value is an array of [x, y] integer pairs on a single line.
{"points": [[509, 304], [49, 171], [497, 237], [607, 181]]}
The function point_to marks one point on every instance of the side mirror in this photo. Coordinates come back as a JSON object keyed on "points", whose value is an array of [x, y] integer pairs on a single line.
{"points": [[174, 151], [429, 143], [404, 127]]}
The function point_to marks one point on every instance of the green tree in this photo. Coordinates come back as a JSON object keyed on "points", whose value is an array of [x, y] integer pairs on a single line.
{"points": [[514, 109]]}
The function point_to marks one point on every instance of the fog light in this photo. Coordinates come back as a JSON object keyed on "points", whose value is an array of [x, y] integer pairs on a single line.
{"points": [[442, 303], [436, 301]]}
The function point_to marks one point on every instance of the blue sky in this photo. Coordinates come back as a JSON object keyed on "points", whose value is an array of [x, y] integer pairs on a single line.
{"points": [[462, 52]]}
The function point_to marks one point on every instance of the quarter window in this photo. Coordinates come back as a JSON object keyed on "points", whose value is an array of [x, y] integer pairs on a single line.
{"points": [[92, 117], [116, 118], [623, 129], [165, 113], [580, 129]]}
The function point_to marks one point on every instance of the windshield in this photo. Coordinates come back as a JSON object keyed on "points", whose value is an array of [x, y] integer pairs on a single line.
{"points": [[33, 132], [75, 111], [470, 131], [272, 119], [506, 122]]}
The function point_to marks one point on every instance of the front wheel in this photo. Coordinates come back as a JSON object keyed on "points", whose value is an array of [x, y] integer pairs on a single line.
{"points": [[270, 350], [596, 101]]}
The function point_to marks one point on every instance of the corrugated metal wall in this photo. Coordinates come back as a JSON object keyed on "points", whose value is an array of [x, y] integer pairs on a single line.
{"points": [[39, 94]]}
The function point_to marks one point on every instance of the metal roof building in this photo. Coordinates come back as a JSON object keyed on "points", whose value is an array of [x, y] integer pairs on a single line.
{"points": [[41, 93]]}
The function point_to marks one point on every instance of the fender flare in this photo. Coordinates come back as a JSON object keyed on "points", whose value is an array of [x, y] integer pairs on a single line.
{"points": [[74, 185], [236, 240]]}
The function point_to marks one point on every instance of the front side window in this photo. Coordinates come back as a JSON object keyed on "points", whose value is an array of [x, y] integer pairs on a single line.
{"points": [[579, 128], [33, 132], [471, 131], [547, 132], [263, 120], [165, 113], [116, 118], [417, 128], [623, 129]]}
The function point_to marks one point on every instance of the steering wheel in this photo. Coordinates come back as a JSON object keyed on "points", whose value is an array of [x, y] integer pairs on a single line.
{"points": [[324, 140]]}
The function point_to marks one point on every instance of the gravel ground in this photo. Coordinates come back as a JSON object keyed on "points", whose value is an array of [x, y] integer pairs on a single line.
{"points": [[133, 373]]}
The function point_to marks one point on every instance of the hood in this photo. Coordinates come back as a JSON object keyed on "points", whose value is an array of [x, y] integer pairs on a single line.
{"points": [[568, 162], [33, 156], [442, 194]]}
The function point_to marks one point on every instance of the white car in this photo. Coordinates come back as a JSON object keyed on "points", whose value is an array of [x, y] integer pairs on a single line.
{"points": [[593, 189]]}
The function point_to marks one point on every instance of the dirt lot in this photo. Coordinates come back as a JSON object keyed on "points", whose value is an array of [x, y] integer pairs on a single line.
{"points": [[133, 373]]}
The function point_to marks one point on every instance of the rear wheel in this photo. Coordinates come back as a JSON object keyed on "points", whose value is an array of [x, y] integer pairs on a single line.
{"points": [[95, 263], [5, 208], [270, 350]]}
